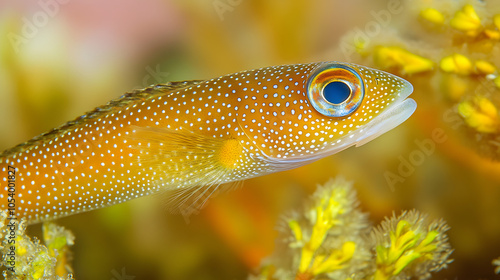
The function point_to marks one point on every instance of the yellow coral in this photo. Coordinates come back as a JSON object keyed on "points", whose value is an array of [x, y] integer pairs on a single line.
{"points": [[409, 243], [492, 34], [326, 215], [328, 240], [33, 260], [397, 57], [455, 87], [402, 251], [432, 15], [496, 81], [325, 236], [484, 67], [41, 265], [456, 63], [297, 231], [58, 241], [467, 21], [336, 260], [496, 263], [480, 113], [496, 21]]}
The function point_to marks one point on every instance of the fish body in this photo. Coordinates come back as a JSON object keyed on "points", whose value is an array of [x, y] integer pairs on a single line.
{"points": [[192, 137]]}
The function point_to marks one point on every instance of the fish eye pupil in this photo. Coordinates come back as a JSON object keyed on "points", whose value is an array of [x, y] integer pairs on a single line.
{"points": [[336, 92]]}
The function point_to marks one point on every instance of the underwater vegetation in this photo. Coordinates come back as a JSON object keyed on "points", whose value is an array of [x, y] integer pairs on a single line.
{"points": [[496, 263], [447, 49], [24, 257], [450, 51], [331, 238]]}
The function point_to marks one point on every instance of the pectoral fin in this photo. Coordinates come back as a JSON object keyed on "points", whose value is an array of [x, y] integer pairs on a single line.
{"points": [[189, 166]]}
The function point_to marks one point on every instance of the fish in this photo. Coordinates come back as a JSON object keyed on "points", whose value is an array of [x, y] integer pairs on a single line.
{"points": [[194, 138]]}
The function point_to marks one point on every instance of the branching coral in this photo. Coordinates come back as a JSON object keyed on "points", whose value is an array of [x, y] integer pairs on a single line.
{"points": [[450, 49], [410, 245], [24, 258], [330, 238]]}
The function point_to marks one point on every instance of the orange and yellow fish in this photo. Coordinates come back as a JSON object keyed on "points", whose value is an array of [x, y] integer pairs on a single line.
{"points": [[194, 136]]}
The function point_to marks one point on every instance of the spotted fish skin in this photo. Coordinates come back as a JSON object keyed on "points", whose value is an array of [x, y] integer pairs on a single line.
{"points": [[193, 137]]}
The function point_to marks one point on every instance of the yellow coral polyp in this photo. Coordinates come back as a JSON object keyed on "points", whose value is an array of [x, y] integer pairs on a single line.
{"points": [[58, 241], [496, 21], [335, 246], [336, 260], [467, 20], [456, 63], [480, 114], [410, 63], [432, 15], [492, 34], [326, 214], [324, 221], [496, 263], [360, 46], [40, 265], [496, 81], [297, 231], [455, 87], [484, 67], [404, 249], [21, 248]]}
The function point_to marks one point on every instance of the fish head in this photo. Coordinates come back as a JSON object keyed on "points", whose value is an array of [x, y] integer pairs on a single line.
{"points": [[300, 113]]}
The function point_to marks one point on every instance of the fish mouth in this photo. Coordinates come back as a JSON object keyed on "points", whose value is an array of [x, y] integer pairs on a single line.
{"points": [[395, 114]]}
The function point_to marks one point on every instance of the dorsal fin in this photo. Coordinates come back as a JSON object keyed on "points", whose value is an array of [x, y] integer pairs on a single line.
{"points": [[126, 99]]}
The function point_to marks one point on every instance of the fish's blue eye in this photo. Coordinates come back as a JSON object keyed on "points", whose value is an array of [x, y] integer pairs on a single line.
{"points": [[335, 89], [336, 92]]}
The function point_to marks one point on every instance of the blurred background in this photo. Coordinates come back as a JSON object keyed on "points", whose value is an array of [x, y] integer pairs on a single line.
{"points": [[61, 58]]}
